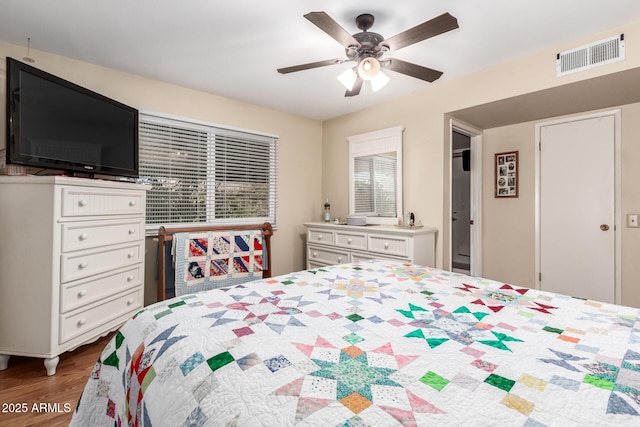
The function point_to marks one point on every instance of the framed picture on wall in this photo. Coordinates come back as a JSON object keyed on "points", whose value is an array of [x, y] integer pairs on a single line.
{"points": [[506, 174]]}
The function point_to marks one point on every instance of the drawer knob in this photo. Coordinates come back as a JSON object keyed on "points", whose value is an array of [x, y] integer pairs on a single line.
{"points": [[83, 264], [315, 254], [82, 203], [386, 245], [319, 236], [83, 236], [349, 240], [130, 301], [132, 203], [130, 278], [82, 293], [82, 322], [339, 259], [130, 255], [132, 230]]}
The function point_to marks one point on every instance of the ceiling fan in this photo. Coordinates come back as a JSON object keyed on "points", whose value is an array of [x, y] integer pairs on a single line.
{"points": [[367, 48]]}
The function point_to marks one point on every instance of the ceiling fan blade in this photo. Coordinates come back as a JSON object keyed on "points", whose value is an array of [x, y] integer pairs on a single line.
{"points": [[332, 28], [355, 90], [310, 65], [438, 25], [413, 70]]}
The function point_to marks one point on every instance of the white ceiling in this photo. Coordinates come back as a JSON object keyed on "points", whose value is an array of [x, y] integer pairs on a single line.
{"points": [[233, 48]]}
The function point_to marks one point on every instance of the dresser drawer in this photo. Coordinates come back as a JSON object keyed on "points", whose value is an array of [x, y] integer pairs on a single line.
{"points": [[327, 256], [83, 235], [314, 265], [77, 265], [81, 293], [365, 256], [80, 201], [320, 236], [351, 240], [389, 245], [80, 322]]}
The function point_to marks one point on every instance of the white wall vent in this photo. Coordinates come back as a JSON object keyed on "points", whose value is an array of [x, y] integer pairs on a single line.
{"points": [[592, 55]]}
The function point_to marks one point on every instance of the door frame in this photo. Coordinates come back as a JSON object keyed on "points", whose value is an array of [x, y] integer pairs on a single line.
{"points": [[476, 195], [617, 195]]}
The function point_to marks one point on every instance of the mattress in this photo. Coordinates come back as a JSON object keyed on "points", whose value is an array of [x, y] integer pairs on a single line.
{"points": [[376, 343]]}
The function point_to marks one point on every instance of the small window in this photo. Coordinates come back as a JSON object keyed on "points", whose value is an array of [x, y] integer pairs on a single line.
{"points": [[201, 173], [375, 173]]}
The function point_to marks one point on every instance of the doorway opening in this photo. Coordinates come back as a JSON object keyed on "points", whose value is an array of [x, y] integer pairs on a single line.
{"points": [[463, 198], [461, 203]]}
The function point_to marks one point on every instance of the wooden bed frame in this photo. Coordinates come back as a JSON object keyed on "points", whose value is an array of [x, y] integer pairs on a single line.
{"points": [[165, 236]]}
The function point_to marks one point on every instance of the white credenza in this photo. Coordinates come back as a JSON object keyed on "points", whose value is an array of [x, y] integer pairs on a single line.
{"points": [[329, 244], [71, 262]]}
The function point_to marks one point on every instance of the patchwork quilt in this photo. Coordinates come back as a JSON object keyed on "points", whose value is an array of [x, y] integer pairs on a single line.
{"points": [[209, 260], [376, 343]]}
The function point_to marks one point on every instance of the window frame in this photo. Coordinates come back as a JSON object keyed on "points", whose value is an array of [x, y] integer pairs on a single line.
{"points": [[378, 142], [214, 131]]}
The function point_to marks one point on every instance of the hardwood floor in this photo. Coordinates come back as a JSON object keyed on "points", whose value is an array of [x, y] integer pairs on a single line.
{"points": [[43, 400]]}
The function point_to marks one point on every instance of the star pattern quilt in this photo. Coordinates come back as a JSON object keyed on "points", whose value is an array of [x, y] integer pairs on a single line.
{"points": [[376, 343]]}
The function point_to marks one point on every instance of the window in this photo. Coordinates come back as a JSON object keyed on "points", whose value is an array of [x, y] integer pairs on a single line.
{"points": [[375, 175], [201, 173], [375, 185]]}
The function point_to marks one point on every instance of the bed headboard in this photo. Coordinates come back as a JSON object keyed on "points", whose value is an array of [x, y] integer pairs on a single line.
{"points": [[165, 237]]}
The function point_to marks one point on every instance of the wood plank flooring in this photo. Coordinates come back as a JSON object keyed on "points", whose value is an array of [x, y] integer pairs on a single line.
{"points": [[48, 401]]}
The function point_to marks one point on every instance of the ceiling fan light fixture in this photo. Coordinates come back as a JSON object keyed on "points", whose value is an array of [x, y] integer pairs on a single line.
{"points": [[348, 78], [366, 47], [368, 68], [379, 81]]}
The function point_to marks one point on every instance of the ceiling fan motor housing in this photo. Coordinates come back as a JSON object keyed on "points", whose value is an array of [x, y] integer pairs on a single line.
{"points": [[369, 42], [369, 46]]}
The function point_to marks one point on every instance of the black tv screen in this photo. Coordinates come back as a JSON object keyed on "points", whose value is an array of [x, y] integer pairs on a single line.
{"points": [[55, 124]]}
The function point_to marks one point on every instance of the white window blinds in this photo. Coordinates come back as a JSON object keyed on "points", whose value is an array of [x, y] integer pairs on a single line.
{"points": [[202, 173], [375, 185]]}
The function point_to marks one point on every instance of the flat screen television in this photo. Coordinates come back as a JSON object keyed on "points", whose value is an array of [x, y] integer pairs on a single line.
{"points": [[55, 124]]}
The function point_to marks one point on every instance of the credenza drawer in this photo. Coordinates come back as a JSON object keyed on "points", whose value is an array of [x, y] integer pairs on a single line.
{"points": [[351, 240], [76, 265], [389, 244], [81, 201], [319, 254], [320, 236], [80, 293], [80, 322], [89, 234]]}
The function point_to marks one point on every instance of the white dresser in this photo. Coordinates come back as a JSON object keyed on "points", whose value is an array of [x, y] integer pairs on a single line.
{"points": [[329, 244], [71, 262]]}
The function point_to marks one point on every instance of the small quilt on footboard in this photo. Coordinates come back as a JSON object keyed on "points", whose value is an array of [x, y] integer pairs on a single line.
{"points": [[376, 343], [214, 259]]}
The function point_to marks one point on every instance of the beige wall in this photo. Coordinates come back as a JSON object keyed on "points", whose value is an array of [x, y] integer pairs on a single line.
{"points": [[630, 159], [512, 242], [508, 247], [299, 145], [509, 256]]}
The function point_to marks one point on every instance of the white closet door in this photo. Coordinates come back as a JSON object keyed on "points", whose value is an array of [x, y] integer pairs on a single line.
{"points": [[577, 208]]}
